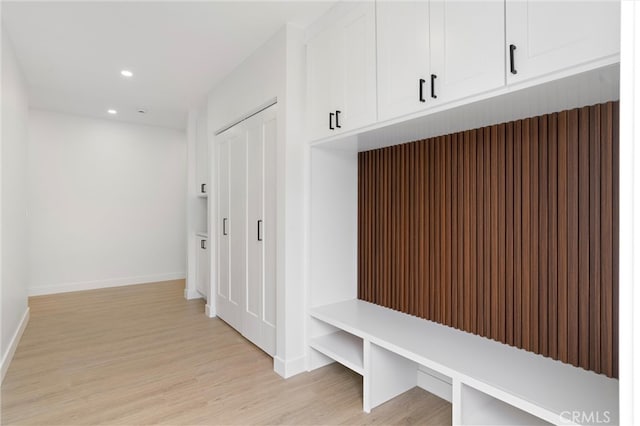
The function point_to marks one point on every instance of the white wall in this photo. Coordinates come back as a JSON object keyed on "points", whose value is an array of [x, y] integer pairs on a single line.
{"points": [[13, 203], [106, 202], [276, 70]]}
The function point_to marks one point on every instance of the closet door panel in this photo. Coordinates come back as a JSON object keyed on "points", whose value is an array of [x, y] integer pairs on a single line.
{"points": [[223, 217], [252, 309], [237, 225], [269, 236]]}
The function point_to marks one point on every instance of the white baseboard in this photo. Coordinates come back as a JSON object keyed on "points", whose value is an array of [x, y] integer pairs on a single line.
{"points": [[92, 285], [15, 339], [435, 383], [192, 293], [210, 311], [289, 368]]}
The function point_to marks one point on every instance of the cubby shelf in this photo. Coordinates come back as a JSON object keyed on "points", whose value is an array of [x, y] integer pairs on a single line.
{"points": [[343, 347]]}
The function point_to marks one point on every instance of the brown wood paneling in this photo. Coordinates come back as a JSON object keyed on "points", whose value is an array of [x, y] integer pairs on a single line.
{"points": [[480, 231], [495, 324], [509, 283], [606, 239], [487, 230], [552, 303], [502, 301], [594, 239], [526, 235], [572, 239], [543, 252], [517, 234], [583, 238], [509, 231], [460, 226], [535, 242], [562, 239], [616, 232]]}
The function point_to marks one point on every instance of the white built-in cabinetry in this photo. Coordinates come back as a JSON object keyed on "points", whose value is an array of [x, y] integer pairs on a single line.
{"points": [[551, 36], [342, 73], [198, 251], [368, 64], [446, 50], [246, 292], [565, 55]]}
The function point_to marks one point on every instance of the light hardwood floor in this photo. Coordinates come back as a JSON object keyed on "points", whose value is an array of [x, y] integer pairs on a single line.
{"points": [[144, 355]]}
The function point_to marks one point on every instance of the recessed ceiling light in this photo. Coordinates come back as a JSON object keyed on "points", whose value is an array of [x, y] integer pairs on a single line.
{"points": [[126, 73], [112, 111]]}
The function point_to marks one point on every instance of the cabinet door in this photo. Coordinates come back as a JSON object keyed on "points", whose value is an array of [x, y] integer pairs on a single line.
{"points": [[551, 36], [202, 267], [323, 81], [341, 73], [358, 68], [467, 47], [202, 151], [403, 57]]}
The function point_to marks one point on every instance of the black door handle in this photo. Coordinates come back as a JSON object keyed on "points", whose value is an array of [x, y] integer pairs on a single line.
{"points": [[203, 188], [512, 61], [260, 230], [338, 126], [203, 244], [421, 89], [433, 86], [224, 226], [331, 121]]}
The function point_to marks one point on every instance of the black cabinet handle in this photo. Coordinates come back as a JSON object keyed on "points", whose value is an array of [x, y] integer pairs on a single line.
{"points": [[421, 89], [338, 126], [224, 226], [512, 61], [203, 188], [331, 121], [260, 230], [203, 244], [433, 86]]}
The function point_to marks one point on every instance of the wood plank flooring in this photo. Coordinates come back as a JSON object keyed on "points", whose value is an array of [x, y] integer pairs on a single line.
{"points": [[143, 355]]}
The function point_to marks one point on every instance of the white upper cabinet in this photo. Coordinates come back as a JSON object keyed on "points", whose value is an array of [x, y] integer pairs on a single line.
{"points": [[437, 51], [341, 63], [467, 55], [549, 36], [403, 57]]}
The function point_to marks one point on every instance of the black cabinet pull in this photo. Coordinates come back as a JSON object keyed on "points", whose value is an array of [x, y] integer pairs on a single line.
{"points": [[203, 244], [224, 226], [331, 121], [421, 89], [338, 126], [203, 188], [512, 61], [260, 230], [433, 86]]}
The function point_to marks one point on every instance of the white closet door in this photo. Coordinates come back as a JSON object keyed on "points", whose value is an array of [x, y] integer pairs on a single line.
{"points": [[246, 284], [223, 261], [259, 312], [232, 232]]}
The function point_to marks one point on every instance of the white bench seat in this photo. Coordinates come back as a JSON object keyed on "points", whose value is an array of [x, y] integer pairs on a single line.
{"points": [[492, 382]]}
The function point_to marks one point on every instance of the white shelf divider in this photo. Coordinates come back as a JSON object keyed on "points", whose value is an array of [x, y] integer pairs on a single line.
{"points": [[342, 347]]}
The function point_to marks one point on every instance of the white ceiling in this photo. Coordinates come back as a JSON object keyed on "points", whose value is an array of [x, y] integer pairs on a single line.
{"points": [[71, 53]]}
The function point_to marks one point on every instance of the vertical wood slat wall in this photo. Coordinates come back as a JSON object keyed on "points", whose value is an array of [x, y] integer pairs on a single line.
{"points": [[509, 232]]}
